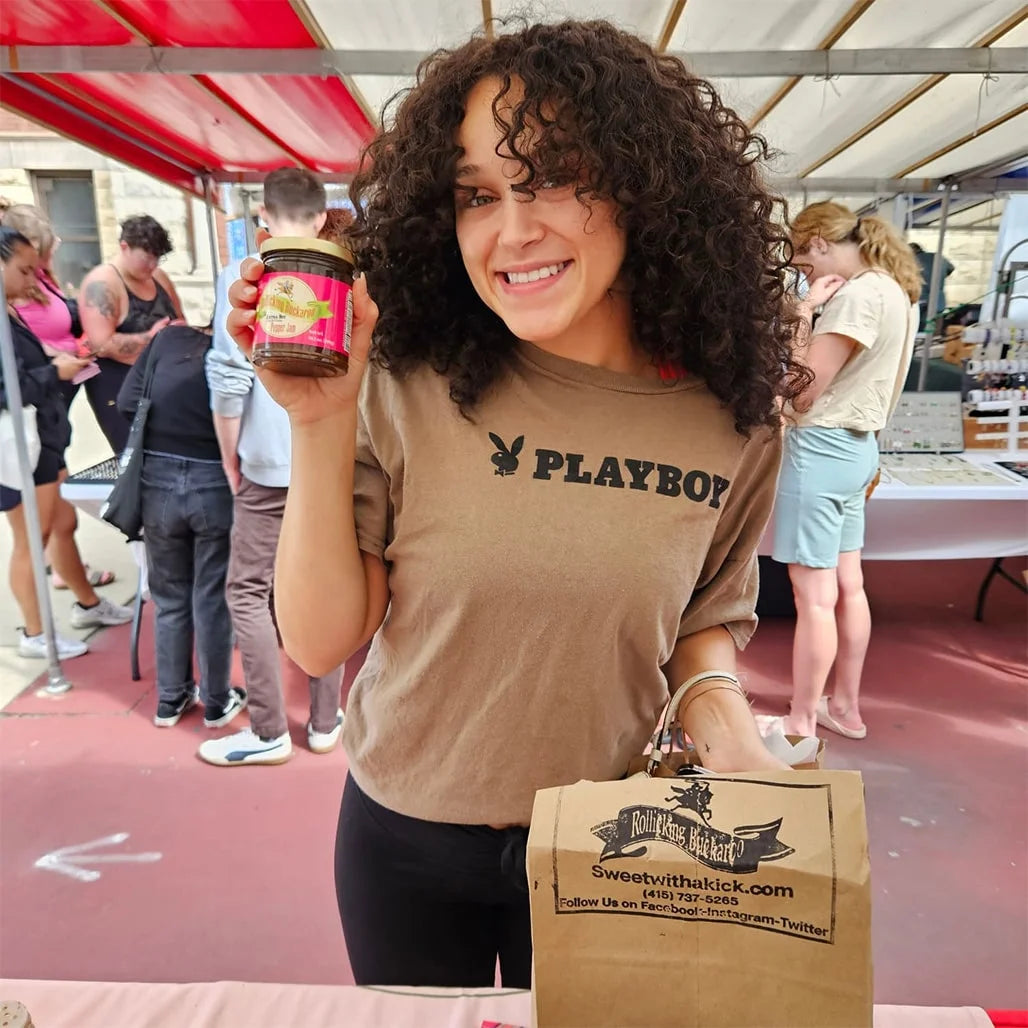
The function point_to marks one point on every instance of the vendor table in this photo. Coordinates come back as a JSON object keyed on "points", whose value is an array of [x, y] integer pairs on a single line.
{"points": [[262, 1005], [945, 522], [905, 522]]}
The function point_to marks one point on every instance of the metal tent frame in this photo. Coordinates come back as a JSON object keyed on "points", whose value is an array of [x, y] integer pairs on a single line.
{"points": [[155, 86]]}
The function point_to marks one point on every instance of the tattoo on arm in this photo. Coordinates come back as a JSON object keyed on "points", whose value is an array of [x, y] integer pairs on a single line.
{"points": [[101, 298], [127, 346]]}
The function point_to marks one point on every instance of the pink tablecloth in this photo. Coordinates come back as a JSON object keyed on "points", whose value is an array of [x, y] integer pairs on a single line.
{"points": [[260, 1005]]}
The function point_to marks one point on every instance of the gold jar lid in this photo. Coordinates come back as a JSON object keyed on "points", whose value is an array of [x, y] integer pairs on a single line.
{"points": [[298, 243]]}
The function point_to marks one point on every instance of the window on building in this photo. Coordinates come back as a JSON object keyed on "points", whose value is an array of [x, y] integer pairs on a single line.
{"points": [[69, 201]]}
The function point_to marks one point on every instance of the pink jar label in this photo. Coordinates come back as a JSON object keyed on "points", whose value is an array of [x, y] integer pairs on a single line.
{"points": [[312, 310]]}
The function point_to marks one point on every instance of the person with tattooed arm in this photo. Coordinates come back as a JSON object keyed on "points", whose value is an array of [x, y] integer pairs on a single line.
{"points": [[123, 305]]}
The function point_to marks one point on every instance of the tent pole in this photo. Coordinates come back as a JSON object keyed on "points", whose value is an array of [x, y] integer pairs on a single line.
{"points": [[932, 317], [251, 235], [56, 683], [212, 236]]}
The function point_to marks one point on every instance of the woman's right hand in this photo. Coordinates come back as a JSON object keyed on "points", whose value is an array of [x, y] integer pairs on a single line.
{"points": [[68, 367], [305, 399]]}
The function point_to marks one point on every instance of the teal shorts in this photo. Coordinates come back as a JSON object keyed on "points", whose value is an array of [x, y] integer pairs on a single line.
{"points": [[819, 511]]}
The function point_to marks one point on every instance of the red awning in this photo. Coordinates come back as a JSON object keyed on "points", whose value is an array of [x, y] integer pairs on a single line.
{"points": [[177, 127]]}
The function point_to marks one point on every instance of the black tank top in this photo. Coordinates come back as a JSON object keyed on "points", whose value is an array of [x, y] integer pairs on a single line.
{"points": [[144, 314]]}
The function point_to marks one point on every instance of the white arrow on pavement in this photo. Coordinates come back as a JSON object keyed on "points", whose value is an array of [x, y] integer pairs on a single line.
{"points": [[66, 860]]}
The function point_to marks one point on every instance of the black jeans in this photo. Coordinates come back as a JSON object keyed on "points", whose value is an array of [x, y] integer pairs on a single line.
{"points": [[427, 904], [187, 520]]}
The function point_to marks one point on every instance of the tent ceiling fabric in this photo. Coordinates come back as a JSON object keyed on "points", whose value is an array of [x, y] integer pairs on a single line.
{"points": [[226, 126], [237, 126]]}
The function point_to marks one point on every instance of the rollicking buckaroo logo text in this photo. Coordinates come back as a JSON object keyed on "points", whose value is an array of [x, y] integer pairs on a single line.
{"points": [[739, 851]]}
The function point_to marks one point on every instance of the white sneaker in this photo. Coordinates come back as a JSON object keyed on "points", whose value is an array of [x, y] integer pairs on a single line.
{"points": [[246, 748], [34, 646], [325, 742], [103, 614]]}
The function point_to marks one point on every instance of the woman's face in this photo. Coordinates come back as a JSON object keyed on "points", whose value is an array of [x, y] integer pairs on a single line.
{"points": [[139, 263], [546, 265], [20, 271]]}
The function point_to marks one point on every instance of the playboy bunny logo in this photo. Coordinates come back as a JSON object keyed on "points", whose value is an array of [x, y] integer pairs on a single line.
{"points": [[506, 461]]}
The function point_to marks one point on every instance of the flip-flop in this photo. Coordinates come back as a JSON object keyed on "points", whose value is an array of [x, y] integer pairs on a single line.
{"points": [[825, 720], [94, 576]]}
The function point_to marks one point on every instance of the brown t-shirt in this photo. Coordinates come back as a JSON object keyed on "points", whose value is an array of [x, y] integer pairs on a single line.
{"points": [[543, 561]]}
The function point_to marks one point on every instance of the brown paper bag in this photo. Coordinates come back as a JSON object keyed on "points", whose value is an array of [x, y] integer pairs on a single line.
{"points": [[702, 901]]}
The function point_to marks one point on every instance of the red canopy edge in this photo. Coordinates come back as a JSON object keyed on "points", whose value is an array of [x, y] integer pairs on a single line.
{"points": [[82, 127], [182, 128]]}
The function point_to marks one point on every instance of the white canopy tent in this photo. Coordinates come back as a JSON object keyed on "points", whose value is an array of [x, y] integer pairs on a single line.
{"points": [[865, 100], [882, 124], [887, 98]]}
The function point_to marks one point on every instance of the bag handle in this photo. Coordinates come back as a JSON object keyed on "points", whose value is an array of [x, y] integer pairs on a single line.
{"points": [[142, 408], [148, 371], [671, 713]]}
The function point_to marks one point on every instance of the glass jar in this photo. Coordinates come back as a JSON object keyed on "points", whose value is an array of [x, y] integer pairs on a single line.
{"points": [[304, 308]]}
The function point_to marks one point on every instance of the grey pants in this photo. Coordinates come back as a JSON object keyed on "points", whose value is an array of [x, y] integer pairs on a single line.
{"points": [[255, 531]]}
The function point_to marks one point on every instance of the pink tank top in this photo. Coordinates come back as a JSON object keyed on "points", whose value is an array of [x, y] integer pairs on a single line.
{"points": [[51, 322]]}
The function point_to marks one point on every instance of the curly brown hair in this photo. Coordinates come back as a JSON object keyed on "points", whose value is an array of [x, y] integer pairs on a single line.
{"points": [[706, 261]]}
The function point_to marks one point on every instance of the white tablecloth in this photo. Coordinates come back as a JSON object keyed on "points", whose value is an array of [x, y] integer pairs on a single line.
{"points": [[903, 522], [262, 1005]]}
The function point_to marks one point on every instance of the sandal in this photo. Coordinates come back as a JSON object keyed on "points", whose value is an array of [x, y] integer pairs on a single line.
{"points": [[826, 720], [778, 744], [94, 576]]}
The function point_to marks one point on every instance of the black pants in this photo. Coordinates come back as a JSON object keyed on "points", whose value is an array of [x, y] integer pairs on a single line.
{"points": [[187, 518], [102, 393], [427, 904]]}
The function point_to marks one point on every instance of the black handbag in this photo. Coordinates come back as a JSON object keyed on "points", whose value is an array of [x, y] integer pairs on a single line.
{"points": [[124, 507]]}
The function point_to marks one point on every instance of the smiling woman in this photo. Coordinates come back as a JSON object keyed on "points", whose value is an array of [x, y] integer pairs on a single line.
{"points": [[574, 132], [580, 285]]}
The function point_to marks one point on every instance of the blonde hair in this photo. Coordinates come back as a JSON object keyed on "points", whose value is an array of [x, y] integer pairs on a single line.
{"points": [[35, 226], [880, 244]]}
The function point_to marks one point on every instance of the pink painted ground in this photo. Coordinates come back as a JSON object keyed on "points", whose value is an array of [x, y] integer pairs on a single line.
{"points": [[244, 888]]}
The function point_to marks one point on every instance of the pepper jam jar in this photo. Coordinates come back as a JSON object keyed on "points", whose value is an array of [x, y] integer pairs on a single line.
{"points": [[304, 308]]}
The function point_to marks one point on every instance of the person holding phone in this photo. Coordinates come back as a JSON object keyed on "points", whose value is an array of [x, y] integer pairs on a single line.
{"points": [[40, 377], [123, 305], [53, 317]]}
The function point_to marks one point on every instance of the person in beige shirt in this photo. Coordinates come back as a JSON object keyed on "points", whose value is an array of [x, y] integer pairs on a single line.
{"points": [[543, 498], [860, 349]]}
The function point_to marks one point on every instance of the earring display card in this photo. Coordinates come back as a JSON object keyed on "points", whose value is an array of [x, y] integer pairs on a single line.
{"points": [[924, 423], [938, 469]]}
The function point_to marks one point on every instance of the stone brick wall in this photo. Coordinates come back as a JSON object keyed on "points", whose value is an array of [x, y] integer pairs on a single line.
{"points": [[120, 192], [16, 186]]}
